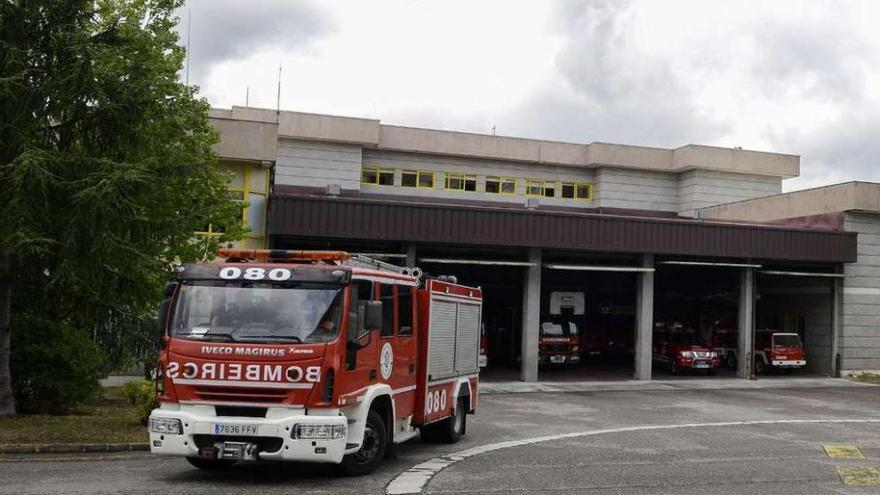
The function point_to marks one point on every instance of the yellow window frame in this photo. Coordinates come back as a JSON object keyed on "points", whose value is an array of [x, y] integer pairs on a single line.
{"points": [[501, 180], [245, 191], [530, 183], [419, 174], [370, 169], [462, 178]]}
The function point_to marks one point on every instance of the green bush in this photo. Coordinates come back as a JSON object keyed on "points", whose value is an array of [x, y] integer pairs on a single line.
{"points": [[142, 395], [55, 367]]}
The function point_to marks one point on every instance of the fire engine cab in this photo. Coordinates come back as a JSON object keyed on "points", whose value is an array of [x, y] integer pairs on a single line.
{"points": [[312, 356]]}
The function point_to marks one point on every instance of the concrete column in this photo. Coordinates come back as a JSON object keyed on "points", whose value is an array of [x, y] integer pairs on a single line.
{"points": [[746, 330], [410, 255], [644, 320], [836, 328], [531, 317]]}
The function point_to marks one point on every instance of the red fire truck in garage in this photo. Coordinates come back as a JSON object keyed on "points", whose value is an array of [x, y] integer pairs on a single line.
{"points": [[311, 356]]}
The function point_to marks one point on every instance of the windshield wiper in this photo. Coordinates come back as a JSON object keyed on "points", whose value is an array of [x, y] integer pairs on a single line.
{"points": [[276, 337], [226, 337]]}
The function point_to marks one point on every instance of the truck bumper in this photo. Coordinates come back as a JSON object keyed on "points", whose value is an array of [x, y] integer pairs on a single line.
{"points": [[270, 441], [789, 363]]}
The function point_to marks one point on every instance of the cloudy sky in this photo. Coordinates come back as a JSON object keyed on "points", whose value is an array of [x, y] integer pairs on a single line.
{"points": [[798, 77]]}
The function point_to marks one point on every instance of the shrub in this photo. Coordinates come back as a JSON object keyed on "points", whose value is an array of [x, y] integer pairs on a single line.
{"points": [[142, 395], [55, 367]]}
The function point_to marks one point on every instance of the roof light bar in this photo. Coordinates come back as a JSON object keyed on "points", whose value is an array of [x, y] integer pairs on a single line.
{"points": [[709, 263], [599, 268], [802, 274], [476, 262], [281, 254], [380, 255]]}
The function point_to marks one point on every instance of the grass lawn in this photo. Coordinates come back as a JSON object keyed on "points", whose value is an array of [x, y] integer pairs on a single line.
{"points": [[110, 419], [866, 378]]}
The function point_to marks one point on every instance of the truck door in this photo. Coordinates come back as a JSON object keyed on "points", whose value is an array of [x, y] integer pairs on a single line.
{"points": [[397, 358]]}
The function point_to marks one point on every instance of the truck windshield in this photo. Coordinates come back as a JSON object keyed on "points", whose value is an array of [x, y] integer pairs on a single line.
{"points": [[257, 313], [565, 328], [786, 341], [685, 339]]}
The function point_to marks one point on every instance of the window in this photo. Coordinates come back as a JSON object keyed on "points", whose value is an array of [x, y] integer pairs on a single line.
{"points": [[500, 185], [387, 298], [249, 186], [417, 178], [577, 190], [377, 176], [461, 182], [361, 292], [404, 310], [369, 175], [540, 187]]}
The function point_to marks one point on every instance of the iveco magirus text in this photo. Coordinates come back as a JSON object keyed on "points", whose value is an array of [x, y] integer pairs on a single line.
{"points": [[315, 356]]}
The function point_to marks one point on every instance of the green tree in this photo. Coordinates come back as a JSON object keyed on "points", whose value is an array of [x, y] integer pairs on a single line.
{"points": [[106, 167]]}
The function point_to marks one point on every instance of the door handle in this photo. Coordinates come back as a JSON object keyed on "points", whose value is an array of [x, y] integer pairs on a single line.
{"points": [[412, 368], [372, 375]]}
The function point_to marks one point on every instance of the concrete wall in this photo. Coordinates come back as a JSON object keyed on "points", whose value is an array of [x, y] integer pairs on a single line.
{"points": [[702, 188], [481, 168], [317, 164], [636, 189], [860, 318]]}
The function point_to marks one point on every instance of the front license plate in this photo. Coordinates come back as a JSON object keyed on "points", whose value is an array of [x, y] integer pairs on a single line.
{"points": [[227, 429], [701, 364], [557, 359]]}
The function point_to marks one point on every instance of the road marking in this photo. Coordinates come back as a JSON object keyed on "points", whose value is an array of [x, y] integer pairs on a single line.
{"points": [[843, 452], [859, 476], [414, 479]]}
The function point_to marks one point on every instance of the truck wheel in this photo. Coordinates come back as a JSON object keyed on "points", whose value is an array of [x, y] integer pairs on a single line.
{"points": [[210, 464], [673, 368], [448, 430], [760, 367], [731, 361], [368, 457]]}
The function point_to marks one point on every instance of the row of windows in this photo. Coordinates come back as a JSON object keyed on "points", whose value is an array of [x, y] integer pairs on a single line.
{"points": [[457, 181]]}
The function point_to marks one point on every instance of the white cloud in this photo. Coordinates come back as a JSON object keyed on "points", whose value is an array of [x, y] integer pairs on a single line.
{"points": [[789, 76]]}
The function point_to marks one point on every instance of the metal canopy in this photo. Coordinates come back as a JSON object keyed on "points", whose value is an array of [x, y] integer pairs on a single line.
{"points": [[476, 262], [802, 274], [599, 268], [709, 263]]}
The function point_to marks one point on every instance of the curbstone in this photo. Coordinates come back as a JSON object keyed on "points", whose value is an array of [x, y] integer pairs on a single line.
{"points": [[67, 448]]}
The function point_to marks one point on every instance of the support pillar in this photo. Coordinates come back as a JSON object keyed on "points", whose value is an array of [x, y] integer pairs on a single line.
{"points": [[746, 324], [531, 318], [410, 255], [836, 305], [644, 320]]}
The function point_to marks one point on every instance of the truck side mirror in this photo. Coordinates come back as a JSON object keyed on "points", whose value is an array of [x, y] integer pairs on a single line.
{"points": [[162, 319], [373, 315], [169, 289]]}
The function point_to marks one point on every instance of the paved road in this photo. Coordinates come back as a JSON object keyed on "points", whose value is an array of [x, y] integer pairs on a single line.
{"points": [[779, 458]]}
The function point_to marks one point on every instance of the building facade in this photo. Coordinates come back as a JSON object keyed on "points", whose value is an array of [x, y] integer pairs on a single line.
{"points": [[634, 228]]}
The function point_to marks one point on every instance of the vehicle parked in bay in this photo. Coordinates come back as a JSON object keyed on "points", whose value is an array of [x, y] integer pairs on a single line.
{"points": [[559, 340], [778, 350], [311, 356], [682, 349], [724, 340]]}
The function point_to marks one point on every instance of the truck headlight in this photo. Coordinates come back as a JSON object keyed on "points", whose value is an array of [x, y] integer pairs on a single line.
{"points": [[574, 348], [318, 432], [166, 426], [687, 354]]}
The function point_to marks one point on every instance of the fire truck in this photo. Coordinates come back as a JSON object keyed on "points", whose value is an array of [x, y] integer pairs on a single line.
{"points": [[559, 341], [315, 356]]}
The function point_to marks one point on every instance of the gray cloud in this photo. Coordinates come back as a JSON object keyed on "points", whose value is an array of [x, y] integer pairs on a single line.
{"points": [[613, 88], [232, 29]]}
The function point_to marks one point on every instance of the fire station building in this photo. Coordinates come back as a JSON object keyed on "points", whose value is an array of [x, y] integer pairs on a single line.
{"points": [[695, 236]]}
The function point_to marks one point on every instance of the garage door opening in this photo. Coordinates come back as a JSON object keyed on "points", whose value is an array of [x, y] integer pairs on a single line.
{"points": [[587, 318], [695, 320], [794, 305]]}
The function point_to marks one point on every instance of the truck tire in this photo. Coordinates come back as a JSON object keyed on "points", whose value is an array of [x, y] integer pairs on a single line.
{"points": [[368, 457], [731, 361], [760, 367], [210, 464], [448, 430], [673, 368]]}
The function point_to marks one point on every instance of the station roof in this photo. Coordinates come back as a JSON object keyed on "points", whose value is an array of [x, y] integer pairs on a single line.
{"points": [[389, 220]]}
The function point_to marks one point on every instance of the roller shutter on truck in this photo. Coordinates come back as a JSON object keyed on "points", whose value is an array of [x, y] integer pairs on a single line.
{"points": [[454, 335]]}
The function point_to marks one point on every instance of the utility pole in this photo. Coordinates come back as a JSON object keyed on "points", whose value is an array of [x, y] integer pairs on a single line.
{"points": [[189, 18]]}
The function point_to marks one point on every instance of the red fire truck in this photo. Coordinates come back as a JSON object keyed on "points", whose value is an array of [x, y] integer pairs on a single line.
{"points": [[311, 356]]}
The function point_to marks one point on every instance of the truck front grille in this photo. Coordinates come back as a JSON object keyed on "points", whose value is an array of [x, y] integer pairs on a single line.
{"points": [[238, 394], [264, 444]]}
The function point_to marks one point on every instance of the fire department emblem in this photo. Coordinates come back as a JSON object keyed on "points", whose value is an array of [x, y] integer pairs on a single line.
{"points": [[386, 361]]}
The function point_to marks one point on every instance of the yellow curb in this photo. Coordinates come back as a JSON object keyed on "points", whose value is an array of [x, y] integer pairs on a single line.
{"points": [[843, 452], [859, 476]]}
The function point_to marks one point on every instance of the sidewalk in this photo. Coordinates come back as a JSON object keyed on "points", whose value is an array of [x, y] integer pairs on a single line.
{"points": [[517, 387]]}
